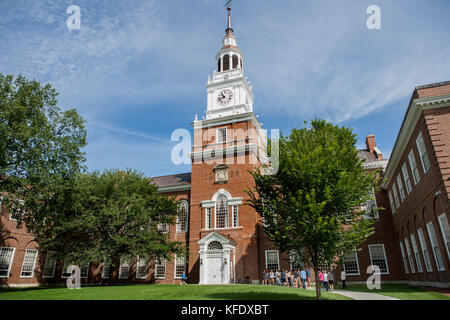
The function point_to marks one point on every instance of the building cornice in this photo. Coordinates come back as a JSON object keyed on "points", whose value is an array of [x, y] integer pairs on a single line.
{"points": [[174, 188], [380, 164], [412, 116]]}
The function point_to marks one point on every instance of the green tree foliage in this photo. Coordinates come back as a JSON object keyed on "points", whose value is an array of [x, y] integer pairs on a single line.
{"points": [[309, 205], [85, 217], [110, 215]]}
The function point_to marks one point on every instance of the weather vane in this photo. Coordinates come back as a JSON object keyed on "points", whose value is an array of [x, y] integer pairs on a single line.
{"points": [[228, 4]]}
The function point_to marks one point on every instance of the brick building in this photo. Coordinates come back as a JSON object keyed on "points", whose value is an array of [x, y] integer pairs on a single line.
{"points": [[225, 238]]}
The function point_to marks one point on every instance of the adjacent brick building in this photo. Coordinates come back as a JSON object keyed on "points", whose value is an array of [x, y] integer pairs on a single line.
{"points": [[226, 241]]}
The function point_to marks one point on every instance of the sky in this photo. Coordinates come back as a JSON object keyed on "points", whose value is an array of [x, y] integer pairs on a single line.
{"points": [[136, 70]]}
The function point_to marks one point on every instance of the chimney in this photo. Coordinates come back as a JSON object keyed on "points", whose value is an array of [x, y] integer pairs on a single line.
{"points": [[372, 146]]}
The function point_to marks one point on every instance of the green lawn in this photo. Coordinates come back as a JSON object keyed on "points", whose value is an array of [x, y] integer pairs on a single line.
{"points": [[399, 291], [165, 292]]}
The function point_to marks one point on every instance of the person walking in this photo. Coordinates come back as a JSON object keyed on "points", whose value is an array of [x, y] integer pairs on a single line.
{"points": [[271, 277], [320, 279], [343, 278], [296, 278], [277, 277], [331, 281], [308, 277], [265, 277], [325, 280], [183, 279], [283, 278], [303, 278], [291, 278]]}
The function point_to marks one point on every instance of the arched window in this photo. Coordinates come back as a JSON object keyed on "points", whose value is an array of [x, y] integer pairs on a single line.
{"points": [[215, 245], [221, 212], [226, 62], [218, 65], [235, 61], [182, 220]]}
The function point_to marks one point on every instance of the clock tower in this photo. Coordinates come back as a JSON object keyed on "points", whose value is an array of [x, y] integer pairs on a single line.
{"points": [[228, 90], [228, 145]]}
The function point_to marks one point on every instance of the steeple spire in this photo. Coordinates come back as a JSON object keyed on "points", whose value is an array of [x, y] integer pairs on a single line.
{"points": [[229, 30]]}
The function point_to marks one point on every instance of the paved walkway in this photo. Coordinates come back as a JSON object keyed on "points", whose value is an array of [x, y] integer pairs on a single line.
{"points": [[357, 295]]}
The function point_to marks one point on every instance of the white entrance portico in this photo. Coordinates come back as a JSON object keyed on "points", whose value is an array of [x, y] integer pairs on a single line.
{"points": [[217, 256]]}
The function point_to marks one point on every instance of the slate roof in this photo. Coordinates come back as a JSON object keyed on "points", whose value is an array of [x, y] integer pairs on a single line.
{"points": [[367, 156], [173, 180]]}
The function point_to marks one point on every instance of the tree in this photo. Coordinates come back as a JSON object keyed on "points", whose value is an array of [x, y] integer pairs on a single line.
{"points": [[309, 205], [40, 146], [110, 215]]}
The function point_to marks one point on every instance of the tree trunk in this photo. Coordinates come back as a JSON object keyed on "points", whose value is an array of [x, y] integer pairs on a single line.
{"points": [[316, 275]]}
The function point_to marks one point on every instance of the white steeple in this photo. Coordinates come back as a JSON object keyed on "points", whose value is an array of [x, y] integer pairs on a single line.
{"points": [[228, 90]]}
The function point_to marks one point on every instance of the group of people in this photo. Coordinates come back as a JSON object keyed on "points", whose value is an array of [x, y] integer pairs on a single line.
{"points": [[287, 278], [300, 278]]}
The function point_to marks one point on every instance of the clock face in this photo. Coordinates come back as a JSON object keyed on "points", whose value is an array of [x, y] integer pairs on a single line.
{"points": [[224, 97]]}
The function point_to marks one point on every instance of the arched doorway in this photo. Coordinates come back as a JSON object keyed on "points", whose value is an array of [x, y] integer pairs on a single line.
{"points": [[217, 255]]}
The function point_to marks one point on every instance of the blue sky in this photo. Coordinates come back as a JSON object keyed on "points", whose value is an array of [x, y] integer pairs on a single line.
{"points": [[137, 70]]}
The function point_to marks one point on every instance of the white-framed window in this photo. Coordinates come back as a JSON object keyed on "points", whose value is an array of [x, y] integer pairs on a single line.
{"points": [[445, 229], [163, 227], [423, 153], [406, 178], [29, 262], [400, 188], [295, 261], [49, 265], [84, 270], [423, 246], [350, 263], [235, 216], [410, 258], [370, 206], [405, 261], [208, 218], [391, 201], [221, 213], [416, 252], [141, 268], [378, 257], [435, 246], [397, 201], [106, 270], [160, 268], [272, 260], [180, 266], [221, 134], [124, 268], [413, 166], [15, 215], [6, 258], [183, 214], [65, 271]]}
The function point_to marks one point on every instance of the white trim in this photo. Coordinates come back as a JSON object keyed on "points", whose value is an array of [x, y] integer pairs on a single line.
{"points": [[405, 260], [384, 253], [124, 263], [139, 264], [435, 245], [108, 274], [414, 168], [11, 259], [178, 227], [420, 141], [416, 252], [219, 135], [175, 266], [410, 257], [410, 120], [48, 256], [36, 252], [425, 252], [157, 265], [406, 178], [357, 264], [278, 258], [445, 231]]}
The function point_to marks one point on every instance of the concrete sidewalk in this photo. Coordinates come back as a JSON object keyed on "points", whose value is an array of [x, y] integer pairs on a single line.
{"points": [[363, 295], [356, 295]]}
